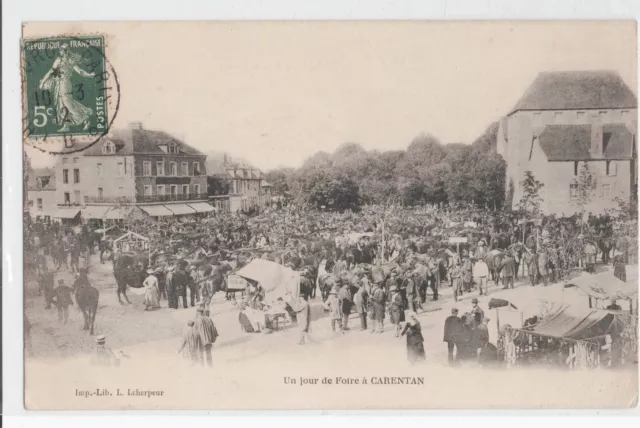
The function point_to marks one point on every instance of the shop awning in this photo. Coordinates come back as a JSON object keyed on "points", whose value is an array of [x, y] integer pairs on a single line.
{"points": [[118, 213], [202, 207], [66, 213], [180, 209], [156, 210], [95, 211]]}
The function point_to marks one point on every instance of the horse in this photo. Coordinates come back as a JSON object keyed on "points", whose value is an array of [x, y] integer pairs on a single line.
{"points": [[126, 273], [87, 299]]}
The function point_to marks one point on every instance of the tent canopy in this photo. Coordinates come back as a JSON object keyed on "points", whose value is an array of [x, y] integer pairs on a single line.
{"points": [[605, 286], [570, 322], [278, 281]]}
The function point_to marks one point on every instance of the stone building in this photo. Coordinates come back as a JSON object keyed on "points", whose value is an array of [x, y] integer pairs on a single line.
{"points": [[564, 121], [132, 172], [41, 194]]}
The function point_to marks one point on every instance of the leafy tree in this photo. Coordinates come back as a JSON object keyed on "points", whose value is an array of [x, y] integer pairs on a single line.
{"points": [[585, 188], [530, 201], [280, 179]]}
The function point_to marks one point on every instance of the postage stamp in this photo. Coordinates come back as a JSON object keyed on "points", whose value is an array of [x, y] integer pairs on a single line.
{"points": [[65, 87]]}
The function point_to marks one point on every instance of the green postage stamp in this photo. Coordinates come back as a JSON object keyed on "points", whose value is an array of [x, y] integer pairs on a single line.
{"points": [[66, 87]]}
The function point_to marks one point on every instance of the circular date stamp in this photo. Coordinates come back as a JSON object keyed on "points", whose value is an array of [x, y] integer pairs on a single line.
{"points": [[70, 92]]}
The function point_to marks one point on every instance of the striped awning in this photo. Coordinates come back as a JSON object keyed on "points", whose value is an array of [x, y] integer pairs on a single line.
{"points": [[201, 207], [95, 211], [180, 209], [67, 213], [156, 210]]}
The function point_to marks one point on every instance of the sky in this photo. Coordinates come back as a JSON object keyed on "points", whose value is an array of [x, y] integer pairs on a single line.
{"points": [[274, 93]]}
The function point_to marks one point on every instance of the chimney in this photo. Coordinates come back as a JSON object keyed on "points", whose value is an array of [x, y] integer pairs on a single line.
{"points": [[135, 125]]}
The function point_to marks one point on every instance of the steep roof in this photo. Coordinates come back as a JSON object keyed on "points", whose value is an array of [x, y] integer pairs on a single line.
{"points": [[573, 142], [573, 90], [136, 141]]}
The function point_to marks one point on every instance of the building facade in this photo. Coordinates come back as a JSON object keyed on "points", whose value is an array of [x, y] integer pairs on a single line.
{"points": [[41, 194], [133, 172], [567, 120], [242, 182]]}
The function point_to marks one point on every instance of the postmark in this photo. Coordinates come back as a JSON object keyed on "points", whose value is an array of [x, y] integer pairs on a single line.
{"points": [[70, 91]]}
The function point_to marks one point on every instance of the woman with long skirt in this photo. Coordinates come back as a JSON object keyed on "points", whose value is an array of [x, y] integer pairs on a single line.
{"points": [[415, 341]]}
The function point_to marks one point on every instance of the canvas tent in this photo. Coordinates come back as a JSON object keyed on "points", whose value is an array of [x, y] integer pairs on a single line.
{"points": [[278, 281], [605, 286], [570, 322]]}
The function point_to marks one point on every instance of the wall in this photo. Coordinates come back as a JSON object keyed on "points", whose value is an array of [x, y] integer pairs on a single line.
{"points": [[522, 126], [115, 181], [154, 180], [49, 204]]}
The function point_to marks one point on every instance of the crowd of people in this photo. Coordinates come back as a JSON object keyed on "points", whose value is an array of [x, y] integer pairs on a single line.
{"points": [[377, 261]]}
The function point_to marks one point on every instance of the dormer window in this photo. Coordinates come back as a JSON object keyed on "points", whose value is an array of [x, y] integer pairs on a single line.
{"points": [[172, 148], [108, 148]]}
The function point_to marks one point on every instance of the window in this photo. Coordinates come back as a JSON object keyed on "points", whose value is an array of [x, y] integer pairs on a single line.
{"points": [[146, 168], [605, 190], [196, 168], [100, 193], [147, 190], [575, 168], [184, 169], [108, 148], [580, 115], [160, 169], [67, 198], [160, 190], [120, 169], [573, 190], [172, 148], [185, 189], [196, 189], [76, 160], [39, 203], [65, 176], [76, 176], [173, 168], [557, 116], [99, 170], [612, 168], [173, 189], [537, 118], [65, 161], [76, 196]]}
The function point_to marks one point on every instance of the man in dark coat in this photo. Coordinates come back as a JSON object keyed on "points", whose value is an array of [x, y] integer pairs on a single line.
{"points": [[62, 299], [180, 282], [452, 333], [46, 283], [346, 302], [208, 333], [172, 296], [508, 267]]}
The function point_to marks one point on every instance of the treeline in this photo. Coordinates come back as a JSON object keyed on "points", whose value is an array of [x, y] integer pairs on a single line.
{"points": [[427, 172]]}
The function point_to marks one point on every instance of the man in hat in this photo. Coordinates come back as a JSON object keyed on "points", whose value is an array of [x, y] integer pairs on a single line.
{"points": [[452, 333], [333, 305], [193, 344], [207, 331], [379, 299], [303, 317], [46, 284], [104, 356], [476, 311], [482, 336], [508, 267], [360, 301], [172, 296], [180, 281], [346, 303], [481, 251], [62, 299], [193, 287]]}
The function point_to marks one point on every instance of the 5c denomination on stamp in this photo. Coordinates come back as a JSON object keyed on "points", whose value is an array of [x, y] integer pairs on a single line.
{"points": [[66, 87]]}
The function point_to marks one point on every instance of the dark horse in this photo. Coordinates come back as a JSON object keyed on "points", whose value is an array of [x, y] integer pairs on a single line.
{"points": [[126, 272], [87, 299]]}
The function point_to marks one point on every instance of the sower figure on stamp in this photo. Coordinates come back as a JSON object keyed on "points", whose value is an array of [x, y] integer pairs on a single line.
{"points": [[58, 82]]}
